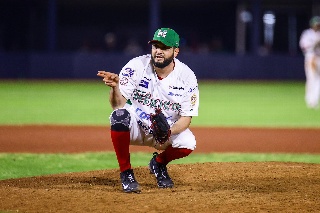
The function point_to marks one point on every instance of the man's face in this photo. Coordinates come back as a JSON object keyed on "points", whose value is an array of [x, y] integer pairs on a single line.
{"points": [[162, 55], [316, 27]]}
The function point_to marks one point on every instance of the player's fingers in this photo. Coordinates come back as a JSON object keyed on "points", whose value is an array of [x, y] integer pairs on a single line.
{"points": [[108, 75], [110, 79], [107, 80], [110, 84], [103, 73], [114, 77]]}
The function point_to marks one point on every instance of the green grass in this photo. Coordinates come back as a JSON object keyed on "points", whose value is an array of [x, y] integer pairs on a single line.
{"points": [[27, 165], [54, 102], [255, 104], [252, 104], [234, 103]]}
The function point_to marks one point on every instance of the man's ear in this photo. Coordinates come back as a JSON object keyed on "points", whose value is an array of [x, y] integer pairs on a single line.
{"points": [[176, 52]]}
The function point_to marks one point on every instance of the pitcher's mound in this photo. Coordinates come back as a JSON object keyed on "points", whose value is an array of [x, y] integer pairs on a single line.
{"points": [[205, 187]]}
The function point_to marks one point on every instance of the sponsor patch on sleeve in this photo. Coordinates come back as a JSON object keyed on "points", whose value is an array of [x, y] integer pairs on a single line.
{"points": [[193, 99]]}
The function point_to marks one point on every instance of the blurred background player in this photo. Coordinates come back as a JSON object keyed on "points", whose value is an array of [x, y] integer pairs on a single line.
{"points": [[310, 45], [147, 82]]}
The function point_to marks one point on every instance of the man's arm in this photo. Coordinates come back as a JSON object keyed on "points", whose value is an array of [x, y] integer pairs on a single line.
{"points": [[112, 80], [182, 124], [116, 99]]}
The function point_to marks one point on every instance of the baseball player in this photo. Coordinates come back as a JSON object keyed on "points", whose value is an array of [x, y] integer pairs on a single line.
{"points": [[148, 82], [310, 45]]}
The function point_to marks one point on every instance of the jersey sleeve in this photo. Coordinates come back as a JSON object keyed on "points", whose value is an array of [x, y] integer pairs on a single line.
{"points": [[308, 40], [128, 78], [190, 103], [305, 41]]}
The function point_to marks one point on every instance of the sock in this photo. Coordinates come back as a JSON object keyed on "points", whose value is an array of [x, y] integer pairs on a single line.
{"points": [[171, 154], [121, 143]]}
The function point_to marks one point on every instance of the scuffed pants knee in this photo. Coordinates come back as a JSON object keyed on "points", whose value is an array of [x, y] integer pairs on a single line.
{"points": [[120, 120]]}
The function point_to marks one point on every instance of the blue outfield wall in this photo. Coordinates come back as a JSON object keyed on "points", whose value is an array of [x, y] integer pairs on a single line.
{"points": [[206, 66]]}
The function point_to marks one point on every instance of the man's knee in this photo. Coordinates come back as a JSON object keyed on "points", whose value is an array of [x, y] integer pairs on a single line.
{"points": [[120, 120]]}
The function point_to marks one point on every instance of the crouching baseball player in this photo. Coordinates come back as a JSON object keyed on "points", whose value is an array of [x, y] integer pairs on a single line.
{"points": [[154, 99]]}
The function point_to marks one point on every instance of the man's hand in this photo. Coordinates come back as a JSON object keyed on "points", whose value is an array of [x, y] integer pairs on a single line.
{"points": [[110, 79]]}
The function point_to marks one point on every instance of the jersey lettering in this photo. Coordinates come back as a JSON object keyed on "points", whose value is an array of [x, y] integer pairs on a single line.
{"points": [[142, 114], [175, 87], [172, 94], [146, 129], [147, 100]]}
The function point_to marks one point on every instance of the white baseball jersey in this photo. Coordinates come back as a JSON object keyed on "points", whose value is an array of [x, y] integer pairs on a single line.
{"points": [[308, 40], [176, 95]]}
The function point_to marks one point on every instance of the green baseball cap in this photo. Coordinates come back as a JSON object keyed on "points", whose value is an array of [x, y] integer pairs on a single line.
{"points": [[314, 21], [167, 36]]}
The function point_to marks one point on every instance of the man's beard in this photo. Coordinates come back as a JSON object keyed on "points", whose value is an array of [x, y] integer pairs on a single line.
{"points": [[163, 64]]}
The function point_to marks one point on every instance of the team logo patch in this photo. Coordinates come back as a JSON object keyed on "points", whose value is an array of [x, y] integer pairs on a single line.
{"points": [[128, 72], [144, 84], [162, 33], [193, 99]]}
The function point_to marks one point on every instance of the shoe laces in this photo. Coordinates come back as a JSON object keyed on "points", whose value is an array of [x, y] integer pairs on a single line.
{"points": [[130, 177], [162, 170]]}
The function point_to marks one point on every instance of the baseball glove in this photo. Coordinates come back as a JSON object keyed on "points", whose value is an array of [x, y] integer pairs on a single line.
{"points": [[160, 127]]}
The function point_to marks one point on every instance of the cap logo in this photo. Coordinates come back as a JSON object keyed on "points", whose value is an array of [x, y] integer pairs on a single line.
{"points": [[162, 33]]}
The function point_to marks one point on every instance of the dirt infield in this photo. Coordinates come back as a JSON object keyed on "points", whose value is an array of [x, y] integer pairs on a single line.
{"points": [[205, 187], [72, 139]]}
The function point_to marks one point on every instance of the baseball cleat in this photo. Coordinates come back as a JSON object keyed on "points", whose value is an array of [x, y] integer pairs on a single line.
{"points": [[129, 183], [160, 172]]}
